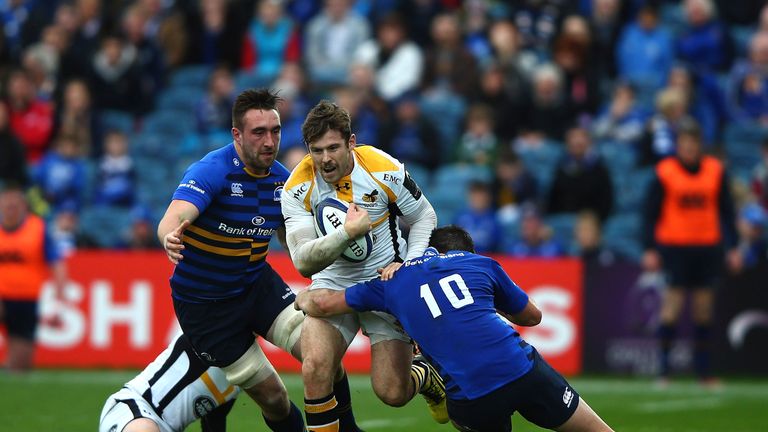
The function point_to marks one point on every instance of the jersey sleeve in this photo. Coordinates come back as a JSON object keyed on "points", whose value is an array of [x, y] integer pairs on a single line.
{"points": [[408, 193], [366, 296], [508, 297], [200, 184]]}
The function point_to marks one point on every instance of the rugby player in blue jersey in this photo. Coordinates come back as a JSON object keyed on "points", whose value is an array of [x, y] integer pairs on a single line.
{"points": [[217, 230], [449, 301]]}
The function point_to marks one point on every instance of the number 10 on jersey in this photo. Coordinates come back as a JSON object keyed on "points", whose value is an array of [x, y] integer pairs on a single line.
{"points": [[447, 284]]}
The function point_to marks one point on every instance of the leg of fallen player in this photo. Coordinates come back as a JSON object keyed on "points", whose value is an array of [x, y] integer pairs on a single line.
{"points": [[280, 414], [584, 419]]}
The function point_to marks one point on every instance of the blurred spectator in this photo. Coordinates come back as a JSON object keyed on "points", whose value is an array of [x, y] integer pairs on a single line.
{"points": [[505, 107], [622, 120], [704, 44], [292, 87], [548, 113], [581, 181], [589, 242], [535, 239], [331, 36], [141, 233], [41, 60], [706, 102], [688, 223], [66, 232], [31, 119], [448, 64], [409, 137], [748, 84], [645, 51], [366, 119], [73, 61], [760, 178], [116, 180], [753, 243], [24, 237], [396, 60], [479, 218], [516, 66], [608, 19], [20, 22], [478, 144], [13, 162], [215, 29], [538, 21], [572, 52], [76, 118], [513, 186], [271, 40], [291, 157], [61, 174], [660, 134], [116, 77], [148, 54], [214, 111]]}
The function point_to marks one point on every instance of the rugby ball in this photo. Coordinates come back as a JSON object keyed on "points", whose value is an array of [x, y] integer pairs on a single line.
{"points": [[330, 215]]}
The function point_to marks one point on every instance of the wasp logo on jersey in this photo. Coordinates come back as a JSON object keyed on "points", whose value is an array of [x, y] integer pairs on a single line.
{"points": [[371, 197], [345, 186]]}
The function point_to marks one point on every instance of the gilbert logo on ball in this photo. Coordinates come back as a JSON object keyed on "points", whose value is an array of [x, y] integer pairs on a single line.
{"points": [[330, 215]]}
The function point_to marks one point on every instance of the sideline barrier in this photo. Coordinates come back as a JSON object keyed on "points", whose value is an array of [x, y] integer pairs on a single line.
{"points": [[118, 313]]}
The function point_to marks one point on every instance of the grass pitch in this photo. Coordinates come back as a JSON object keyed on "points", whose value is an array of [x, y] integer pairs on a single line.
{"points": [[70, 401]]}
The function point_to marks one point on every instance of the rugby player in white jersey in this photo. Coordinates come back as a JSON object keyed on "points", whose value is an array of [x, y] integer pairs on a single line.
{"points": [[170, 394], [379, 190]]}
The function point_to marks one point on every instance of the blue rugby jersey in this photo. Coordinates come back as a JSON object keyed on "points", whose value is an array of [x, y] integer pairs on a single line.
{"points": [[226, 246], [447, 304]]}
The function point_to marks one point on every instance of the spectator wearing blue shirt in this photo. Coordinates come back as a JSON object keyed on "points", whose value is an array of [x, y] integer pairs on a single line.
{"points": [[61, 174], [479, 218], [213, 112], [704, 43], [645, 51], [752, 240], [116, 181], [622, 120], [747, 94], [409, 137], [535, 239]]}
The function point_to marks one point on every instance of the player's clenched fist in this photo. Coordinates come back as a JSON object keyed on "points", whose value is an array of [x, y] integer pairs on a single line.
{"points": [[358, 221], [173, 242]]}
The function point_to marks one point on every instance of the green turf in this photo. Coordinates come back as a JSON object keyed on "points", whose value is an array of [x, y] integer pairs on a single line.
{"points": [[64, 401]]}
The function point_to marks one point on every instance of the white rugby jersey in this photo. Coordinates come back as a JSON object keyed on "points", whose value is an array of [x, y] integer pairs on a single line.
{"points": [[379, 184], [180, 387]]}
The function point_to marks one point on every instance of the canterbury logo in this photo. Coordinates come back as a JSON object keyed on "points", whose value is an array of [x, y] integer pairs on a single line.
{"points": [[344, 186], [371, 197], [567, 397]]}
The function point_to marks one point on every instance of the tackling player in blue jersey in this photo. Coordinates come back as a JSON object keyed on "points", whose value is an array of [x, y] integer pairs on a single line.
{"points": [[449, 301], [217, 231]]}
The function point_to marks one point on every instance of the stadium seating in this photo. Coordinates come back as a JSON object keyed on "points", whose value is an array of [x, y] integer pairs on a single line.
{"points": [[117, 120], [622, 233], [179, 98], [562, 228], [105, 225], [191, 77]]}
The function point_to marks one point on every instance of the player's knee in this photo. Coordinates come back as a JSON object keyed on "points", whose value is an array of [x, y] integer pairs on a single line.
{"points": [[391, 395], [250, 369], [318, 368], [141, 425], [286, 330]]}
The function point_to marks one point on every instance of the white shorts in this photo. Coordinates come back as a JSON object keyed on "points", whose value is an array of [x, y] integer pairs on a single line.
{"points": [[123, 407], [378, 326]]}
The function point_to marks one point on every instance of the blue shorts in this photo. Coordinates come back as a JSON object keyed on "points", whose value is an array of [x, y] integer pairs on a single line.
{"points": [[21, 317], [221, 331], [542, 396], [692, 267]]}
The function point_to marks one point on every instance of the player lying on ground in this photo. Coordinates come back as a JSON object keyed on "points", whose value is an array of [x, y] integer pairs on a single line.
{"points": [[449, 301], [171, 393]]}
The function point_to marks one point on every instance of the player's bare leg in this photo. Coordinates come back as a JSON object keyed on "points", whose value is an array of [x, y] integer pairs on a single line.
{"points": [[701, 313], [396, 378], [141, 425], [671, 306], [322, 347], [584, 419], [20, 354]]}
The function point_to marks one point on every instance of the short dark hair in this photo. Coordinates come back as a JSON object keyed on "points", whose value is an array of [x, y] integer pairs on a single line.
{"points": [[451, 237], [260, 99], [326, 116], [689, 126]]}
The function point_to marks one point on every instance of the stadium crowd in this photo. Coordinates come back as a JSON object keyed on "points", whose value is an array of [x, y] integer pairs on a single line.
{"points": [[550, 114]]}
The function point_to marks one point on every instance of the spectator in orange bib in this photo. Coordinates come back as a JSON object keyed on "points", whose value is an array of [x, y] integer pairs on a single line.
{"points": [[688, 224], [27, 251]]}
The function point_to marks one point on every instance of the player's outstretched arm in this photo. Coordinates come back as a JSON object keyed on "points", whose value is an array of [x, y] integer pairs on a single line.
{"points": [[322, 302], [170, 231]]}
